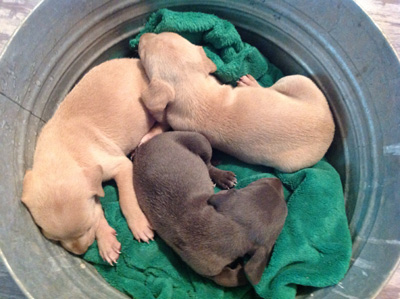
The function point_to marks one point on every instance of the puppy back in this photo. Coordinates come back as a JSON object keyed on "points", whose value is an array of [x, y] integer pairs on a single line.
{"points": [[170, 180]]}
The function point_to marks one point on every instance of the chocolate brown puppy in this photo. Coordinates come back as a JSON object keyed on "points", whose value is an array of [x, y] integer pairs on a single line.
{"points": [[211, 232]]}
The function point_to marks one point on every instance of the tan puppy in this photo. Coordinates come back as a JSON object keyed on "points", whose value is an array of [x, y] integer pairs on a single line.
{"points": [[288, 126], [86, 142]]}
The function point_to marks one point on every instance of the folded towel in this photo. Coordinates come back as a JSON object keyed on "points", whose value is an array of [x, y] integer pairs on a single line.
{"points": [[221, 42], [314, 248]]}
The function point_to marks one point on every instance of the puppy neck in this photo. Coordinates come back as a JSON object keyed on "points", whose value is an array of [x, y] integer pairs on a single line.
{"points": [[201, 90]]}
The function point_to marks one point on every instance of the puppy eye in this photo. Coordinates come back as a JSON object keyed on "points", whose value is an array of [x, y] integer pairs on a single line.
{"points": [[84, 233]]}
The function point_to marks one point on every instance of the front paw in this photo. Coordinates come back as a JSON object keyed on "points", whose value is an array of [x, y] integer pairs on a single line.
{"points": [[141, 228], [224, 179], [109, 246]]}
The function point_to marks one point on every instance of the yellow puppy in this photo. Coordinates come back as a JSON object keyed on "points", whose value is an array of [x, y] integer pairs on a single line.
{"points": [[86, 142], [288, 126]]}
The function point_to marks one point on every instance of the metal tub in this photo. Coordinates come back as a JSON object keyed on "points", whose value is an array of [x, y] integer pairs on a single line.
{"points": [[333, 42]]}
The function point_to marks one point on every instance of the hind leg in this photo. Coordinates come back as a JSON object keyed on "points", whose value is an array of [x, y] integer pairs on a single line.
{"points": [[199, 145], [224, 179]]}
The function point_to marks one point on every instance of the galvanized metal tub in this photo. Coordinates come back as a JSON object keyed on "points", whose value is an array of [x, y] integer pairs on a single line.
{"points": [[333, 42]]}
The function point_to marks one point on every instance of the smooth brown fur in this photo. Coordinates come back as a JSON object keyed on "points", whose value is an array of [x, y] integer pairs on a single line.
{"points": [[211, 232], [288, 126], [86, 142]]}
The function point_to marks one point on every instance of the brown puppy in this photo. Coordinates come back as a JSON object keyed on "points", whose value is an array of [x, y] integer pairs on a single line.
{"points": [[86, 142], [211, 232], [288, 126]]}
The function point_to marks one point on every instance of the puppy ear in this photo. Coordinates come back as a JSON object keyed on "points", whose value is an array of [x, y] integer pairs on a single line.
{"points": [[254, 268], [27, 187], [95, 177], [209, 66], [156, 98], [276, 184], [231, 277], [218, 200]]}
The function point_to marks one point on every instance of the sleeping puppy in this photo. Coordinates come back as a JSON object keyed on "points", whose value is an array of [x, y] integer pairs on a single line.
{"points": [[288, 126], [86, 142], [210, 232]]}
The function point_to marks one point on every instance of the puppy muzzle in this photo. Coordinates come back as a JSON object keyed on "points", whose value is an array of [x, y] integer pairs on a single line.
{"points": [[75, 247]]}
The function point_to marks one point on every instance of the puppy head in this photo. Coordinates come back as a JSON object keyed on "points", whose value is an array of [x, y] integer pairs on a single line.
{"points": [[260, 210], [168, 59], [65, 207], [169, 56]]}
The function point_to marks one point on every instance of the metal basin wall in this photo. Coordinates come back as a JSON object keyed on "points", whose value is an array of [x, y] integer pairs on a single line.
{"points": [[333, 42]]}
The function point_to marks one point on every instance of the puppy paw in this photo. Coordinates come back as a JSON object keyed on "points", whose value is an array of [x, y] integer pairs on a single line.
{"points": [[109, 246], [154, 131], [141, 228], [247, 80], [224, 179], [146, 138]]}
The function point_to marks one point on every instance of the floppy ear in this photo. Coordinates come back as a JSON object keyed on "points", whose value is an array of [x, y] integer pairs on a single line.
{"points": [[254, 268], [156, 98], [95, 177], [209, 66], [220, 199], [231, 277], [276, 184], [27, 187]]}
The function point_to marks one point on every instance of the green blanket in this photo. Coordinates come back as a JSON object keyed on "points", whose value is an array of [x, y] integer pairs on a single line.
{"points": [[314, 247], [221, 42]]}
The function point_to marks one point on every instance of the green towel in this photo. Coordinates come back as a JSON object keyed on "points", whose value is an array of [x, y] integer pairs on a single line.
{"points": [[221, 42], [314, 247]]}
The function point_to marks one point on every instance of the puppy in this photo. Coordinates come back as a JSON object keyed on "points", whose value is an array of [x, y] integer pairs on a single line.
{"points": [[86, 142], [210, 232], [288, 126]]}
